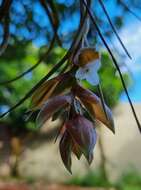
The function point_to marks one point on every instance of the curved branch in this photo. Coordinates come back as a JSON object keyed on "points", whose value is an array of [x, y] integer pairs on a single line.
{"points": [[52, 20], [54, 12], [4, 14], [31, 68], [4, 8]]}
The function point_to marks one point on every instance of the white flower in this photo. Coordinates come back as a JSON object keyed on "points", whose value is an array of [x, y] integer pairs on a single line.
{"points": [[89, 72]]}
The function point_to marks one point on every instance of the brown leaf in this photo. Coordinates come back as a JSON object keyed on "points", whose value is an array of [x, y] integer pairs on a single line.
{"points": [[94, 106], [51, 88], [65, 146], [65, 84], [43, 93], [51, 106], [83, 134]]}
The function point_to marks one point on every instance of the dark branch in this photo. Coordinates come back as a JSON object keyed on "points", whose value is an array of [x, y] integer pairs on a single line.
{"points": [[113, 28], [6, 35], [129, 10], [52, 20], [31, 68], [4, 8]]}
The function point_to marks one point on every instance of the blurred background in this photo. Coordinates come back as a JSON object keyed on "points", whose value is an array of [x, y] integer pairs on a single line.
{"points": [[30, 156]]}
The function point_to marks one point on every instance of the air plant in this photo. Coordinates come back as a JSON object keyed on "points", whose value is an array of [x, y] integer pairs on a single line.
{"points": [[65, 95]]}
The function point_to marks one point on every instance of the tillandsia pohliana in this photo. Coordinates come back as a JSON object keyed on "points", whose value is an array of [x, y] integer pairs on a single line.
{"points": [[64, 95]]}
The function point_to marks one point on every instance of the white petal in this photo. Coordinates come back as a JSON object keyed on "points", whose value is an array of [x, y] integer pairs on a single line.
{"points": [[89, 72], [93, 79], [80, 74], [94, 65], [97, 64]]}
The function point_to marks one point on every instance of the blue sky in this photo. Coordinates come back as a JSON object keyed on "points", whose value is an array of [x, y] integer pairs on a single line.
{"points": [[131, 36]]}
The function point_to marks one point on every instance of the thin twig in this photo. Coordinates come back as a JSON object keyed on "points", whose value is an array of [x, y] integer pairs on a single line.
{"points": [[6, 35], [4, 8], [54, 12], [54, 26], [129, 10], [113, 28], [4, 16], [31, 68]]}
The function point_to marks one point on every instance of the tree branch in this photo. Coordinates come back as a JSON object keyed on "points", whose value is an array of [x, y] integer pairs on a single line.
{"points": [[52, 20], [31, 68], [129, 10], [113, 28], [4, 8], [6, 35]]}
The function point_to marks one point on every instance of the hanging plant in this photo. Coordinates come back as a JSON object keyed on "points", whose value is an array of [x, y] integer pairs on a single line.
{"points": [[61, 92]]}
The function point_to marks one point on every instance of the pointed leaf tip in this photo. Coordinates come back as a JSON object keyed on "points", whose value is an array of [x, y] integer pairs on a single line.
{"points": [[83, 134], [65, 146], [94, 106], [76, 150], [51, 106], [89, 157]]}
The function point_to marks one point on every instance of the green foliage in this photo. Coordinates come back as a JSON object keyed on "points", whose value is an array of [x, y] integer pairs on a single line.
{"points": [[11, 93], [91, 179], [110, 81], [14, 62], [130, 181]]}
